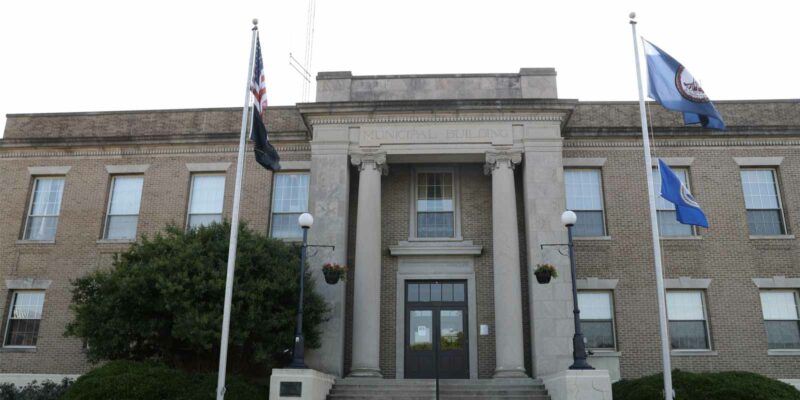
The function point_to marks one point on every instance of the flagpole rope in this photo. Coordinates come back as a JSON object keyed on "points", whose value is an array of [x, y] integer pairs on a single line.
{"points": [[652, 132], [654, 153]]}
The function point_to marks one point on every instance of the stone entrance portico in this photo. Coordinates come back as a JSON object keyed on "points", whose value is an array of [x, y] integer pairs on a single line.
{"points": [[514, 134]]}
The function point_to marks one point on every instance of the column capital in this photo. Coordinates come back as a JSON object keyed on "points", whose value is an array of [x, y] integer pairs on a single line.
{"points": [[501, 158], [375, 160]]}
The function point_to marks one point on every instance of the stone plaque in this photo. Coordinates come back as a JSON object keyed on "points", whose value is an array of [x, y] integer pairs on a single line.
{"points": [[291, 389], [498, 134]]}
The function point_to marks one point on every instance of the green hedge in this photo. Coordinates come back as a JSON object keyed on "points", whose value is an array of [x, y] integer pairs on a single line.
{"points": [[706, 386], [46, 390], [127, 380]]}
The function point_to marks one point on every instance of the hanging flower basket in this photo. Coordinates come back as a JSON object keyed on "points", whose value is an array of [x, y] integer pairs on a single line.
{"points": [[544, 272], [334, 272]]}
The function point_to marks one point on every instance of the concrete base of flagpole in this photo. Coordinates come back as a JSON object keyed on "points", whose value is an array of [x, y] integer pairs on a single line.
{"points": [[299, 384], [586, 384]]}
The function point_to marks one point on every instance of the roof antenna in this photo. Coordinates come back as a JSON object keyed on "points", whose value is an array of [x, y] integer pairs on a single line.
{"points": [[304, 68]]}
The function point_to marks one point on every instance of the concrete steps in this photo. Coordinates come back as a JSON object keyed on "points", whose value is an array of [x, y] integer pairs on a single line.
{"points": [[425, 389]]}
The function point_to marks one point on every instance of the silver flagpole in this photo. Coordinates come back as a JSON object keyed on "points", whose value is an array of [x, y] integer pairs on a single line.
{"points": [[648, 166], [237, 191]]}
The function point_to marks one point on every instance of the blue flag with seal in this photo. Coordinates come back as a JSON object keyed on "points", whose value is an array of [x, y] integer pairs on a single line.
{"points": [[675, 88], [673, 190]]}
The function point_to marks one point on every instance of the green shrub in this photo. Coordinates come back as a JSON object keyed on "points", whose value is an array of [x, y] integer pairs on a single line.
{"points": [[46, 390], [706, 386], [162, 301], [128, 380]]}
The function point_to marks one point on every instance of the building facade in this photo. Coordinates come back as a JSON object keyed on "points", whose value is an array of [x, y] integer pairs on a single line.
{"points": [[439, 191]]}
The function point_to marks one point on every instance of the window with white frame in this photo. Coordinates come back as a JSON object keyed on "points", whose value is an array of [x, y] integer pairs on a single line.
{"points": [[781, 318], [597, 319], [123, 207], [435, 204], [762, 201], [24, 317], [688, 326], [668, 224], [289, 200], [206, 198], [44, 208], [585, 197]]}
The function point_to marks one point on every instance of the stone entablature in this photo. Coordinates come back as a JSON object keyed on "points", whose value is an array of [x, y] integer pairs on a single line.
{"points": [[439, 133]]}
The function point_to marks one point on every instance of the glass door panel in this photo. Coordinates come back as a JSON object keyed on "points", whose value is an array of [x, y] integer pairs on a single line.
{"points": [[452, 330], [421, 330]]}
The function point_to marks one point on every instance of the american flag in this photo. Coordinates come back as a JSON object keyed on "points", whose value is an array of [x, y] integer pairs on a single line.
{"points": [[265, 152], [259, 83]]}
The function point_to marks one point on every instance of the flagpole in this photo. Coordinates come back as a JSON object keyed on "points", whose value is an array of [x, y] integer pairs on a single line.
{"points": [[237, 191], [648, 165]]}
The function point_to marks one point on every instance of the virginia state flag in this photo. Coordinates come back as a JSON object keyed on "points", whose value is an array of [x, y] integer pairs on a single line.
{"points": [[676, 89], [673, 190]]}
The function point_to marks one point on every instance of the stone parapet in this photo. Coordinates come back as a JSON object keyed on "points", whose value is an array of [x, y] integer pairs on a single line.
{"points": [[529, 83]]}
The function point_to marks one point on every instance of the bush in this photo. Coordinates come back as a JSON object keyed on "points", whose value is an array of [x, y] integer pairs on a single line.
{"points": [[706, 386], [162, 301], [46, 390], [127, 380]]}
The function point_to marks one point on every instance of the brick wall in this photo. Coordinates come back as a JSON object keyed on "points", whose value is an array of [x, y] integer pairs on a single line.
{"points": [[77, 251], [476, 220], [725, 254], [738, 114], [139, 125]]}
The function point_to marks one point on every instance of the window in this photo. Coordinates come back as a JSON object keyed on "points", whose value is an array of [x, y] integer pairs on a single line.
{"points": [[435, 208], [597, 319], [688, 329], [24, 316], [780, 308], [424, 292], [289, 200], [764, 214], [668, 224], [206, 199], [123, 207], [585, 198], [44, 209]]}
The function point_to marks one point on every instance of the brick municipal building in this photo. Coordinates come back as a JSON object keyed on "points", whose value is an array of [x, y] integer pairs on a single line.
{"points": [[439, 191]]}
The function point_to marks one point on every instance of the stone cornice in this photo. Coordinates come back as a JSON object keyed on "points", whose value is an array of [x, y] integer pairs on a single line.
{"points": [[177, 139], [683, 142], [331, 120], [294, 148]]}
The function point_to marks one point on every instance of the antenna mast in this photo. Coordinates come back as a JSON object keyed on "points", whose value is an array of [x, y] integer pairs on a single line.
{"points": [[304, 68]]}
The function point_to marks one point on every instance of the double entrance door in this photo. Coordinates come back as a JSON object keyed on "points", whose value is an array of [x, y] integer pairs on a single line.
{"points": [[436, 327]]}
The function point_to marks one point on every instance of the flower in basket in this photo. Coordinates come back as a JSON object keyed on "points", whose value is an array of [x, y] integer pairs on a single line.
{"points": [[544, 272], [547, 269], [334, 272]]}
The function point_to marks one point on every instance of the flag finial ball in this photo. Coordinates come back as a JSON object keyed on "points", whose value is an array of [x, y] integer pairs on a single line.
{"points": [[632, 15], [255, 21]]}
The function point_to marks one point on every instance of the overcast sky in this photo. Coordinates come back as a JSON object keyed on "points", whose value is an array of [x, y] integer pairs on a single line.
{"points": [[64, 56]]}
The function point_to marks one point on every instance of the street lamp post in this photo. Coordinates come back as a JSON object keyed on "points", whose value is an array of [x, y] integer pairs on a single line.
{"points": [[568, 218], [298, 355]]}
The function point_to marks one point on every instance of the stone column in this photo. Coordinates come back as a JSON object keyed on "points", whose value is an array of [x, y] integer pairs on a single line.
{"points": [[367, 285], [505, 258]]}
